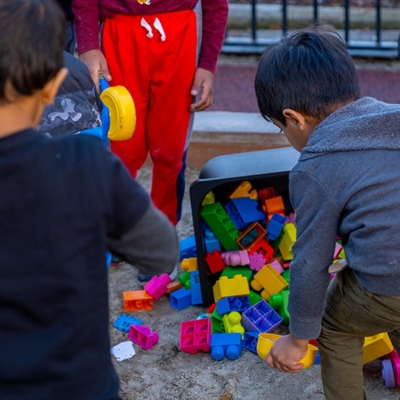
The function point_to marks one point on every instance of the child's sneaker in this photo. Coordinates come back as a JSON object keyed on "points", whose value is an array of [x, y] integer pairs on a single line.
{"points": [[116, 261], [146, 277]]}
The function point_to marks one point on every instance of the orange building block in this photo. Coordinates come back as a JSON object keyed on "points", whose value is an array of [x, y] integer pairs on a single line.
{"points": [[244, 190], [137, 300], [190, 264], [274, 205]]}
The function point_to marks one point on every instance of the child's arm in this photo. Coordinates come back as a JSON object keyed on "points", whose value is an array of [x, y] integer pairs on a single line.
{"points": [[151, 245], [286, 354]]}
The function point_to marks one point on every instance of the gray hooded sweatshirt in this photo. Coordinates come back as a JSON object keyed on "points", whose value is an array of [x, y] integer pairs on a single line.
{"points": [[346, 183]]}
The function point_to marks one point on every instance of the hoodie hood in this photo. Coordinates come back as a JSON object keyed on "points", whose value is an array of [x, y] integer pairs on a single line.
{"points": [[366, 124]]}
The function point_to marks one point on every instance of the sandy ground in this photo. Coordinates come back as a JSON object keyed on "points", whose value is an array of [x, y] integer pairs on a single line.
{"points": [[164, 372]]}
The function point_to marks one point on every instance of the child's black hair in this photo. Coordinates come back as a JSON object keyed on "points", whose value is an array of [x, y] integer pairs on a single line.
{"points": [[31, 44], [309, 71]]}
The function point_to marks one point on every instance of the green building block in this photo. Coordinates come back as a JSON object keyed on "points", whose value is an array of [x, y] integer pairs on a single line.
{"points": [[286, 275], [279, 303], [184, 279], [221, 225], [232, 271], [217, 323], [254, 297]]}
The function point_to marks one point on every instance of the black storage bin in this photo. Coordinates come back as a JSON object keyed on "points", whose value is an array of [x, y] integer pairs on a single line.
{"points": [[221, 175]]}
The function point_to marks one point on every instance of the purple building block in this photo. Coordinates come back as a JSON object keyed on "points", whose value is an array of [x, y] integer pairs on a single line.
{"points": [[261, 318], [157, 286], [195, 335], [257, 261], [142, 336]]}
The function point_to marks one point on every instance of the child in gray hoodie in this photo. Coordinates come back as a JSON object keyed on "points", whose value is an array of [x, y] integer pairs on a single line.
{"points": [[346, 183]]}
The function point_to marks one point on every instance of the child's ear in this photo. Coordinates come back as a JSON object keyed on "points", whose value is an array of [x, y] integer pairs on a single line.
{"points": [[294, 118], [51, 88]]}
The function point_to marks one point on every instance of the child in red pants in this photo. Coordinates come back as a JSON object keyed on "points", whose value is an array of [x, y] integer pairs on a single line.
{"points": [[164, 53]]}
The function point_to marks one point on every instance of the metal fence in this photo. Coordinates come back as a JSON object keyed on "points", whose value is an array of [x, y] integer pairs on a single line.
{"points": [[377, 47]]}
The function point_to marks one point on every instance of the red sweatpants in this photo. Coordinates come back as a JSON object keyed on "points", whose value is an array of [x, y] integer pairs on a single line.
{"points": [[159, 75]]}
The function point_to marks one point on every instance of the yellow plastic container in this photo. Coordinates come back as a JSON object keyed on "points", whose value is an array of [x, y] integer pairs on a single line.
{"points": [[267, 340], [122, 112]]}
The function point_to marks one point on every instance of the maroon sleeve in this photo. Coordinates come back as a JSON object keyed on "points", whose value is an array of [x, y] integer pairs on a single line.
{"points": [[215, 19], [86, 24]]}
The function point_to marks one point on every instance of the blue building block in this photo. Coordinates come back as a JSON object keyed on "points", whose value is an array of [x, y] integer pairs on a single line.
{"points": [[250, 341], [233, 303], [195, 288], [211, 241], [226, 344], [187, 248], [124, 321], [261, 318], [181, 298], [243, 211], [275, 226]]}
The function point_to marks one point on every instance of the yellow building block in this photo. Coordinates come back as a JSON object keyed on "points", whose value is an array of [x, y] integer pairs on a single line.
{"points": [[190, 264], [376, 346], [268, 281], [209, 198], [289, 238], [227, 287], [244, 190], [232, 323]]}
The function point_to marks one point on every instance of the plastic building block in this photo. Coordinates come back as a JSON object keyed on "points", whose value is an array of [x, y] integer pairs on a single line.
{"points": [[211, 309], [221, 225], [195, 335], [395, 360], [289, 237], [142, 336], [184, 279], [187, 247], [274, 205], [230, 272], [243, 211], [279, 302], [275, 226], [276, 266], [124, 321], [173, 286], [268, 281], [211, 241], [250, 341], [226, 344], [157, 286], [254, 297], [262, 247], [235, 257], [244, 189], [215, 262], [216, 322], [257, 261], [181, 299], [209, 198], [376, 346], [195, 288], [249, 237], [190, 264], [137, 300], [236, 303], [226, 287], [232, 323], [267, 193], [388, 374], [337, 251], [261, 318]]}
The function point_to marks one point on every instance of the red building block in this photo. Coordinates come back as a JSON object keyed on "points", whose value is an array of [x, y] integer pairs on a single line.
{"points": [[215, 262]]}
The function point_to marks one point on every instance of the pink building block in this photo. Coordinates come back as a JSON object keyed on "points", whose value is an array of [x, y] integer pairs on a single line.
{"points": [[195, 335], [236, 257], [276, 266], [157, 286], [257, 261], [395, 359], [141, 335], [338, 249]]}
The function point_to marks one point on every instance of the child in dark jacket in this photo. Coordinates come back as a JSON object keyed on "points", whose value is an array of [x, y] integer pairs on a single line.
{"points": [[64, 202], [346, 183]]}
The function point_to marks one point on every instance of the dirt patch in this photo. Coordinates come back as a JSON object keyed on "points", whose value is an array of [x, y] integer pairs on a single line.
{"points": [[164, 372]]}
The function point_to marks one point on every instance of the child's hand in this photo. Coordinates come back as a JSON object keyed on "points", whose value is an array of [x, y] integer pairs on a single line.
{"points": [[97, 64], [286, 354], [204, 84]]}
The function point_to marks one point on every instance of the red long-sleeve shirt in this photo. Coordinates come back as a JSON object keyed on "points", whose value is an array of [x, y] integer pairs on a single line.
{"points": [[88, 13]]}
